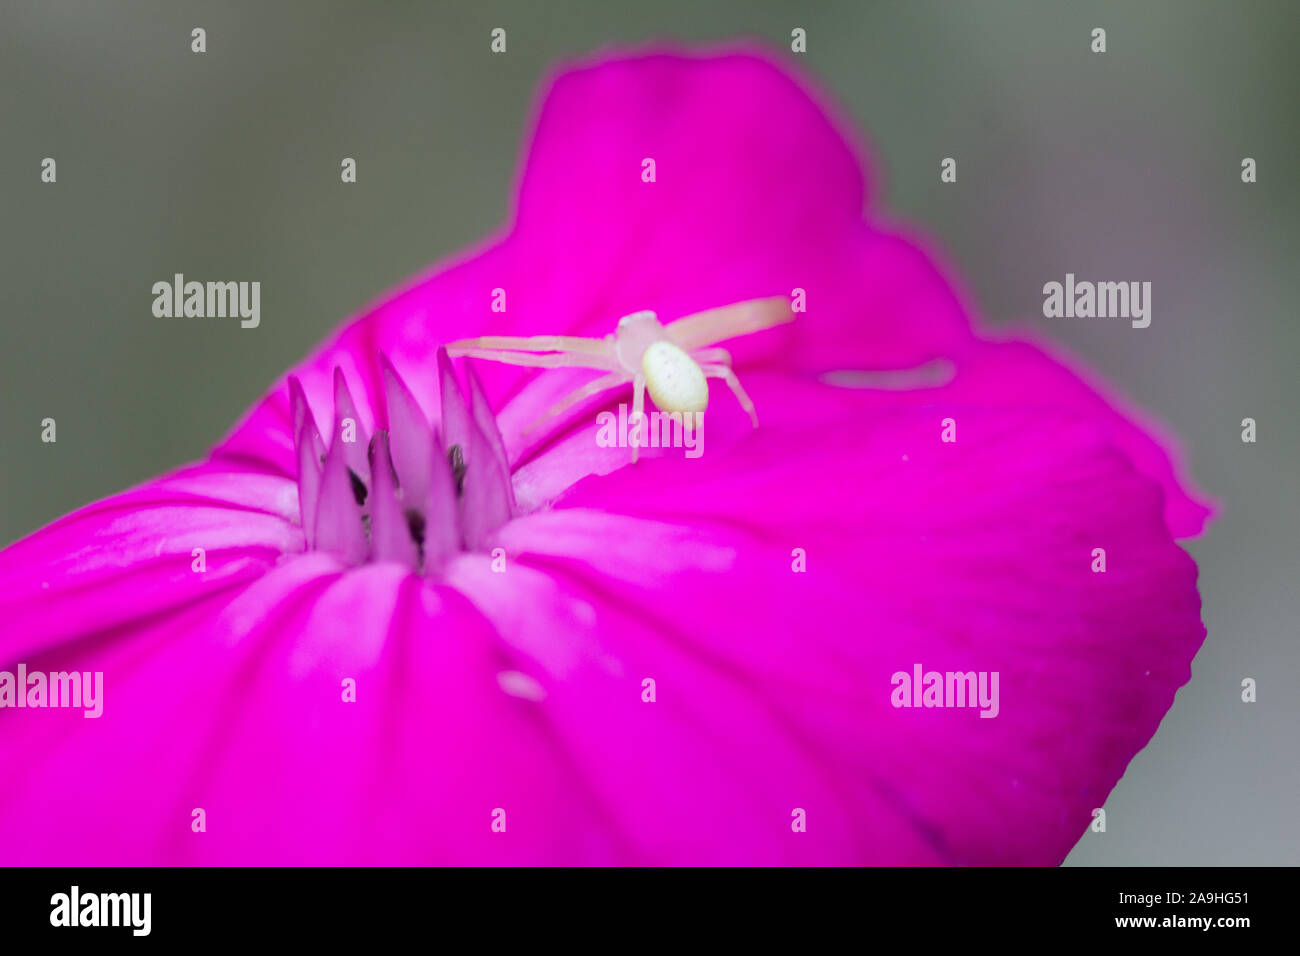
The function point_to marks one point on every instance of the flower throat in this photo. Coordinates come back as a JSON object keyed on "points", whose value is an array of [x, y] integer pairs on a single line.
{"points": [[412, 493]]}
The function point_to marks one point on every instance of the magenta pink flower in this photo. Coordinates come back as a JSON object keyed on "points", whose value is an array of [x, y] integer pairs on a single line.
{"points": [[503, 606]]}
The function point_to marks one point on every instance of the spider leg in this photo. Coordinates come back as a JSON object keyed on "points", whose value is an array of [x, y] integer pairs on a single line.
{"points": [[728, 321], [638, 412], [533, 343], [712, 356], [576, 396], [725, 373], [553, 360]]}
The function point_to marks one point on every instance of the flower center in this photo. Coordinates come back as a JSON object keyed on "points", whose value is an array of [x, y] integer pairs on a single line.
{"points": [[412, 493]]}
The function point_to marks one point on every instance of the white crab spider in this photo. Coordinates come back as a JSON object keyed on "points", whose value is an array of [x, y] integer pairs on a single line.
{"points": [[672, 361]]}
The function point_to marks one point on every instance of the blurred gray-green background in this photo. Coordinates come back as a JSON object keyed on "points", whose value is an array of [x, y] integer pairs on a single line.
{"points": [[1117, 166]]}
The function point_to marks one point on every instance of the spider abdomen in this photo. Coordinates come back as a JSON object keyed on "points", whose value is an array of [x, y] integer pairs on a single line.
{"points": [[673, 379]]}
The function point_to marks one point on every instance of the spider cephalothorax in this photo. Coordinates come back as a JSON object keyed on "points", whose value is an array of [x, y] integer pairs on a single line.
{"points": [[672, 361]]}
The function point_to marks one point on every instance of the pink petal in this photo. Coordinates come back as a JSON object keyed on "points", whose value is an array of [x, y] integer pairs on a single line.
{"points": [[729, 135], [236, 707], [774, 686], [132, 556], [1018, 374], [706, 232], [1011, 373]]}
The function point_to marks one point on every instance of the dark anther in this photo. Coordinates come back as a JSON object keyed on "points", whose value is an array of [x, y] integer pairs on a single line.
{"points": [[415, 522], [358, 487], [457, 459]]}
